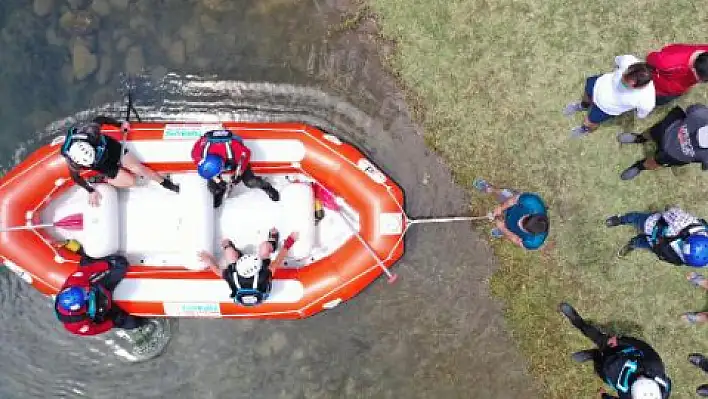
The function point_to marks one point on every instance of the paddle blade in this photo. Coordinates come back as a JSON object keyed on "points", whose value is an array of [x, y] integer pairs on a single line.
{"points": [[325, 196], [73, 222]]}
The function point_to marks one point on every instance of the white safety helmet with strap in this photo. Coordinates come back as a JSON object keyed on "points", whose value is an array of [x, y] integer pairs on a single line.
{"points": [[82, 153], [248, 266], [646, 388]]}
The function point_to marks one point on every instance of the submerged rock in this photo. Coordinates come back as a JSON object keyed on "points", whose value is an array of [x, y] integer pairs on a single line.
{"points": [[79, 22], [105, 68], [123, 44], [83, 62], [43, 7], [176, 52], [101, 7], [78, 4], [120, 4], [134, 60], [53, 38]]}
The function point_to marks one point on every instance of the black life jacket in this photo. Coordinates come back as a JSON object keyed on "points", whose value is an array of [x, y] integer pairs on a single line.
{"points": [[248, 296], [89, 133], [661, 244], [623, 368], [222, 137]]}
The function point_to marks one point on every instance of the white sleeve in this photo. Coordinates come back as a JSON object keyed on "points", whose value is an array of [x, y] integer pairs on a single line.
{"points": [[624, 61], [645, 106]]}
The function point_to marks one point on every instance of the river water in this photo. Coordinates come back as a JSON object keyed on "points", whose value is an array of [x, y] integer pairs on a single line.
{"points": [[434, 333]]}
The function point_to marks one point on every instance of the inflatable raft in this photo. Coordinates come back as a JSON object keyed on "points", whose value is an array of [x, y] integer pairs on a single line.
{"points": [[160, 232]]}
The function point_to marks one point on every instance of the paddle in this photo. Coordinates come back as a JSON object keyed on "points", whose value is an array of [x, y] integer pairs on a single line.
{"points": [[128, 110], [74, 222]]}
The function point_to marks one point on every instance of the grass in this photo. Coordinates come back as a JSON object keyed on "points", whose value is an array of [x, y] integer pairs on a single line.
{"points": [[491, 79]]}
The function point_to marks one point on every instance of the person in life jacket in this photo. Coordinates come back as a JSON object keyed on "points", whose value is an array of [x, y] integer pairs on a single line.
{"points": [[84, 303], [221, 151], [701, 362], [675, 236], [86, 148], [520, 217], [629, 365], [249, 276], [681, 138]]}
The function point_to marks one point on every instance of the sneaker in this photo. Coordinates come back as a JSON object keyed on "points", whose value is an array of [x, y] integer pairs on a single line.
{"points": [[698, 360], [631, 172], [572, 108], [702, 390], [569, 312], [496, 233], [613, 221], [481, 185], [272, 193], [627, 248], [579, 131], [630, 138], [584, 356]]}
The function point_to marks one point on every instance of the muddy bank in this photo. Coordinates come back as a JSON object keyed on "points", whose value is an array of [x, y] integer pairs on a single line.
{"points": [[435, 332]]}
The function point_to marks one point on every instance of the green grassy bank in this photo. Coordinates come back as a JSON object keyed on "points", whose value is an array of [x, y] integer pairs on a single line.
{"points": [[491, 79]]}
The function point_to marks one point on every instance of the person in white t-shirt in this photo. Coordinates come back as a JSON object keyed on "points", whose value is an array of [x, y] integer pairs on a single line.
{"points": [[628, 87]]}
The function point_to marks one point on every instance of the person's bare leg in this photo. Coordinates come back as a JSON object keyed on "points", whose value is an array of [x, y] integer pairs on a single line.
{"points": [[123, 179], [591, 126], [651, 164], [134, 165]]}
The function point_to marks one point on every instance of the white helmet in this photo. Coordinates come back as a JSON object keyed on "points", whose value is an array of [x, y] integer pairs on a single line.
{"points": [[248, 266], [645, 388], [82, 153]]}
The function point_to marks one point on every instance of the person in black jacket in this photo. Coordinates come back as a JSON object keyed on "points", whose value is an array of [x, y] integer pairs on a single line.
{"points": [[629, 365], [86, 148]]}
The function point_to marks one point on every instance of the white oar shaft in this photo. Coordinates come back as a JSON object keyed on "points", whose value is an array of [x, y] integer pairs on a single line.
{"points": [[366, 245]]}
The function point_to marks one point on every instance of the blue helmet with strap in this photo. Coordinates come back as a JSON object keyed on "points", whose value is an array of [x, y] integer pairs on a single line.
{"points": [[695, 250], [72, 299], [210, 166]]}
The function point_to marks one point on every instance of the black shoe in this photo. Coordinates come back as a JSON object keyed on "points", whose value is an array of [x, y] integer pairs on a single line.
{"points": [[218, 190], [631, 172], [630, 138], [698, 360], [613, 221], [170, 185], [272, 193], [568, 311], [627, 248], [584, 356], [702, 390]]}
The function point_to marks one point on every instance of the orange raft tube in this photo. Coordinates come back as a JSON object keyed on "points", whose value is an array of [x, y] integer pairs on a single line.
{"points": [[333, 268]]}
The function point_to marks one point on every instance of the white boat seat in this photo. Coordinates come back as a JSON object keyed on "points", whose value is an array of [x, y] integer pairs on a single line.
{"points": [[195, 220], [100, 235]]}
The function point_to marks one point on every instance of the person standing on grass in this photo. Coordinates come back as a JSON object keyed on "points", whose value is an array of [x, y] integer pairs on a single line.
{"points": [[628, 87], [701, 362], [677, 68], [675, 236], [629, 365], [681, 138], [521, 218]]}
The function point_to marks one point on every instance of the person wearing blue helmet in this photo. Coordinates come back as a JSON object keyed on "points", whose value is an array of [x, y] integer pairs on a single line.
{"points": [[222, 152], [675, 236]]}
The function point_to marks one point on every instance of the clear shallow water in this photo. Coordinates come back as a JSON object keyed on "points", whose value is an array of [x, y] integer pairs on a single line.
{"points": [[433, 333]]}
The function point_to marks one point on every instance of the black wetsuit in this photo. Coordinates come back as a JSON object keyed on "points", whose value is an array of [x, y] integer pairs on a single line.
{"points": [[108, 164], [621, 365]]}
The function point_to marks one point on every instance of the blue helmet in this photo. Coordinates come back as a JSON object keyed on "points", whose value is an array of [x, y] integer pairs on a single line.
{"points": [[210, 166], [72, 299], [695, 250]]}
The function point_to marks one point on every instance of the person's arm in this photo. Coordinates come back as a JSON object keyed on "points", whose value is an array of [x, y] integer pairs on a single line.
{"points": [[79, 180], [501, 225], [278, 261], [210, 261], [107, 120], [646, 106], [506, 205]]}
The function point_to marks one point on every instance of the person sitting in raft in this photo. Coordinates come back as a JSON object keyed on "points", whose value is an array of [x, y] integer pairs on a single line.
{"points": [[521, 218], [249, 276], [606, 96], [681, 138], [221, 151], [675, 236], [84, 303], [86, 148]]}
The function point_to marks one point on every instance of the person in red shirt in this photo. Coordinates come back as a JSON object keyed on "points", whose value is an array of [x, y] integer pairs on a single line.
{"points": [[678, 67], [85, 303], [221, 151]]}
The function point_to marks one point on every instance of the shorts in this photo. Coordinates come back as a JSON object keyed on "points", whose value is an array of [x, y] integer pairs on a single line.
{"points": [[109, 165], [595, 114]]}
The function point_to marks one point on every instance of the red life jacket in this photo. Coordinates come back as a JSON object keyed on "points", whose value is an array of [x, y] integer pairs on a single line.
{"points": [[85, 277], [225, 144]]}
